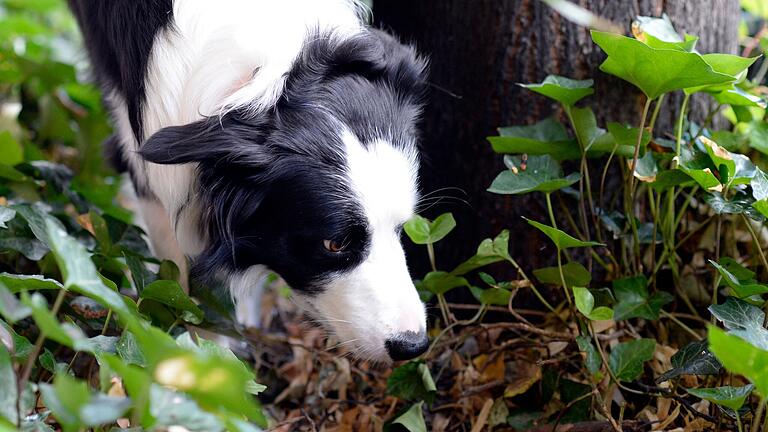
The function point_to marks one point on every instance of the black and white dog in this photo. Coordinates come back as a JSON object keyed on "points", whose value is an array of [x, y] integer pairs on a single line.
{"points": [[271, 135]]}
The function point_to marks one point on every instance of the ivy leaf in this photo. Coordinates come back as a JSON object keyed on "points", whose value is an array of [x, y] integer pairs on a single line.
{"points": [[633, 300], [18, 283], [727, 396], [574, 273], [440, 282], [660, 33], [170, 294], [411, 382], [422, 231], [655, 71], [65, 334], [8, 387], [592, 360], [175, 409], [627, 359], [567, 91], [6, 214], [585, 303], [743, 320], [80, 274], [412, 419], [491, 296], [742, 288], [727, 64], [541, 174], [693, 359], [74, 406], [739, 203], [735, 96], [699, 167], [10, 307], [646, 168], [561, 239], [488, 252], [547, 137], [740, 357]]}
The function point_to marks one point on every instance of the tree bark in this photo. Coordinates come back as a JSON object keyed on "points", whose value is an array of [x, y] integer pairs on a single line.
{"points": [[478, 51]]}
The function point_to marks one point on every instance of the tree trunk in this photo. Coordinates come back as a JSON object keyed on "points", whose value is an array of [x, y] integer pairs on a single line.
{"points": [[478, 51]]}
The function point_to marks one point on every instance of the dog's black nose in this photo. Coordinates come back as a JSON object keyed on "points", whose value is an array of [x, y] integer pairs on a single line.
{"points": [[407, 345]]}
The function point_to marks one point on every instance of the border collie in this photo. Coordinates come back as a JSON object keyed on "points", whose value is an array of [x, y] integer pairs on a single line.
{"points": [[271, 135]]}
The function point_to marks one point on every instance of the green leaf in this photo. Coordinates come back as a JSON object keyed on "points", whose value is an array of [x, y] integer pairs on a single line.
{"points": [[490, 251], [10, 307], [80, 274], [655, 71], [756, 7], [726, 161], [646, 169], [561, 239], [11, 152], [65, 334], [592, 361], [693, 359], [412, 419], [585, 303], [743, 320], [627, 359], [140, 275], [700, 168], [491, 296], [740, 357], [588, 133], [660, 33], [538, 174], [668, 178], [758, 136], [6, 214], [422, 231], [564, 90], [175, 409], [735, 96], [739, 203], [412, 382], [171, 294], [74, 406], [574, 273], [545, 137], [18, 283], [633, 300], [727, 64], [742, 288], [8, 387], [440, 282], [129, 350], [727, 396]]}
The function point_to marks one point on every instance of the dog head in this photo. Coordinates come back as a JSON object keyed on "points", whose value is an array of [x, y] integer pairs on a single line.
{"points": [[318, 187]]}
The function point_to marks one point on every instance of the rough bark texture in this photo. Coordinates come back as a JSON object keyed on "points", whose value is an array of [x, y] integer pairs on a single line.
{"points": [[478, 50]]}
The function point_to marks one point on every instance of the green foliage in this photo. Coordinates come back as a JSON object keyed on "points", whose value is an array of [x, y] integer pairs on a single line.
{"points": [[67, 249], [729, 397], [633, 300], [422, 231], [627, 358], [412, 381], [540, 174]]}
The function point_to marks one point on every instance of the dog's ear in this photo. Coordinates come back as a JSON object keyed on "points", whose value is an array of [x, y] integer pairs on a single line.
{"points": [[213, 139]]}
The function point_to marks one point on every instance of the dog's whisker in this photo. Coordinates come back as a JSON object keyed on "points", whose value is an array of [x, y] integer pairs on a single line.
{"points": [[341, 344]]}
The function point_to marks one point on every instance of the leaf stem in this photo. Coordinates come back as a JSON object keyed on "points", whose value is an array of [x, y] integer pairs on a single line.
{"points": [[27, 371]]}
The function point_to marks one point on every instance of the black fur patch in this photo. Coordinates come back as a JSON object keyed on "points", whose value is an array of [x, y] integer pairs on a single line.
{"points": [[119, 35]]}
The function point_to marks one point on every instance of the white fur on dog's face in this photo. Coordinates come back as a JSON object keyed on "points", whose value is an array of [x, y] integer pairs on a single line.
{"points": [[376, 300]]}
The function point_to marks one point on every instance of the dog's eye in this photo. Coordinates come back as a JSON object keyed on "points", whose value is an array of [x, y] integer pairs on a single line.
{"points": [[334, 246]]}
